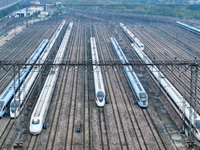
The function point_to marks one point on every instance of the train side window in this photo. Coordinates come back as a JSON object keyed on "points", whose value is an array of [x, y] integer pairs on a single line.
{"points": [[198, 124], [100, 96], [2, 105], [143, 97]]}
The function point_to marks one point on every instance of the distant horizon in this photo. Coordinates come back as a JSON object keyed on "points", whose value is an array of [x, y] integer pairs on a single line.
{"points": [[120, 1]]}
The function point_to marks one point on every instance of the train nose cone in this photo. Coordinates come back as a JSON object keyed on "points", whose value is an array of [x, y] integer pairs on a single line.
{"points": [[1, 114], [14, 114], [34, 129]]}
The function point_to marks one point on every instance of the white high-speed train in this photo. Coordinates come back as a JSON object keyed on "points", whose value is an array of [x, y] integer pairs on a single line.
{"points": [[135, 84], [138, 43], [21, 97], [131, 36], [13, 86], [188, 27], [98, 79], [176, 99], [40, 111], [17, 101], [127, 31]]}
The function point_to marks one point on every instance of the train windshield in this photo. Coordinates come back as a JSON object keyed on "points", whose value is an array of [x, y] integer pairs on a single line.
{"points": [[198, 124], [100, 96], [1, 105], [143, 97], [35, 121], [14, 105]]}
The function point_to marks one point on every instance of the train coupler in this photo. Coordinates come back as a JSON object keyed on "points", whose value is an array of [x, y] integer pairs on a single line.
{"points": [[45, 126], [78, 129], [107, 101], [135, 102]]}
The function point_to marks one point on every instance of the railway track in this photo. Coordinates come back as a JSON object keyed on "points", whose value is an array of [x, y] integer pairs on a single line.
{"points": [[22, 51], [73, 98], [174, 76], [143, 130], [138, 132], [118, 125], [159, 140], [110, 112], [86, 106], [55, 113], [6, 132], [101, 111], [55, 130], [169, 73], [8, 57], [168, 43], [156, 53], [51, 127], [77, 137], [24, 38], [10, 122], [185, 38], [183, 48], [32, 142], [56, 133]]}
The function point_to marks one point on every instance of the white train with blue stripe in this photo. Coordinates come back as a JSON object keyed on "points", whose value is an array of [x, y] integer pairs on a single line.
{"points": [[127, 31], [8, 93], [175, 97], [138, 43], [188, 27], [40, 111], [132, 37], [21, 96], [98, 79], [136, 87]]}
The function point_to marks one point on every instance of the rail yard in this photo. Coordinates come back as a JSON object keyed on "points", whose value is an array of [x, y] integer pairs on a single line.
{"points": [[73, 119]]}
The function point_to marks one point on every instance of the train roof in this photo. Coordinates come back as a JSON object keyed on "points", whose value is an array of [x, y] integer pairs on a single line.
{"points": [[128, 69], [188, 26]]}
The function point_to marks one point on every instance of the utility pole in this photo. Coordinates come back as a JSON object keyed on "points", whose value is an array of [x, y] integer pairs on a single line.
{"points": [[183, 109], [193, 103]]}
